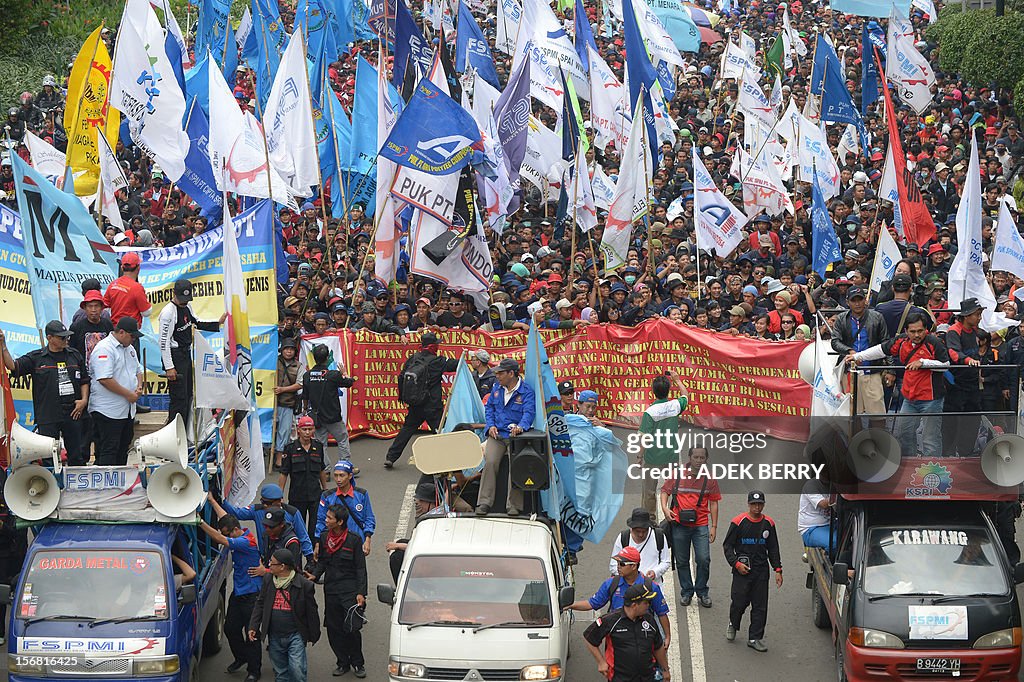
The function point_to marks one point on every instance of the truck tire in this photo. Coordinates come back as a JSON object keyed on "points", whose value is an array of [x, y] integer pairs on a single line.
{"points": [[819, 613], [213, 637], [840, 661]]}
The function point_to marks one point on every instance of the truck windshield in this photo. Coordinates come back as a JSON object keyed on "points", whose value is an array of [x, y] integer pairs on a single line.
{"points": [[95, 584], [493, 590], [932, 560]]}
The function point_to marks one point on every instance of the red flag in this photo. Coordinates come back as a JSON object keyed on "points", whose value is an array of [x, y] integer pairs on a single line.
{"points": [[918, 226], [7, 416]]}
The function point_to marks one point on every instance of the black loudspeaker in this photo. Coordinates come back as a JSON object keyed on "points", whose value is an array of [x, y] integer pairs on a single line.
{"points": [[530, 461]]}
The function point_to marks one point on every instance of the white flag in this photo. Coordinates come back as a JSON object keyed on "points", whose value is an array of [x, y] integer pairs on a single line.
{"points": [[288, 122], [828, 399], [48, 161], [543, 165], [752, 103], [581, 195], [928, 7], [795, 42], [908, 69], [630, 203], [608, 106], [788, 122], [888, 190], [966, 274], [734, 60], [659, 43], [510, 13], [776, 97], [848, 142], [111, 179], [385, 241], [814, 155], [603, 186], [763, 187], [748, 44], [144, 89], [244, 28], [1009, 252], [886, 257], [545, 81], [216, 386], [719, 224], [540, 26]]}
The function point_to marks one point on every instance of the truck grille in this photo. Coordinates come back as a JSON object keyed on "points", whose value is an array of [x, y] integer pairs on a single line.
{"points": [[460, 674], [94, 666]]}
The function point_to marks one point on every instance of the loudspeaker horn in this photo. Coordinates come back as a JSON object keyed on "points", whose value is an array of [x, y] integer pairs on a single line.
{"points": [[806, 364], [32, 492], [27, 447], [175, 491], [1003, 460], [442, 452], [874, 455], [169, 444]]}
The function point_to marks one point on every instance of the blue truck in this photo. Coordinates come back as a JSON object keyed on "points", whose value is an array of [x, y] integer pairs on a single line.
{"points": [[103, 602]]}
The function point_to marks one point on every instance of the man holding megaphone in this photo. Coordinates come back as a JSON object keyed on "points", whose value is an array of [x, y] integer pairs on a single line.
{"points": [[60, 387]]}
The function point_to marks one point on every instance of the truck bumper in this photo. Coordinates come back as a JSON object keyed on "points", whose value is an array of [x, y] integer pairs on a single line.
{"points": [[989, 665], [92, 678]]}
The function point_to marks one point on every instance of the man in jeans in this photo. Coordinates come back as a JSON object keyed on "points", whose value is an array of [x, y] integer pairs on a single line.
{"points": [[691, 503], [286, 613], [321, 386]]}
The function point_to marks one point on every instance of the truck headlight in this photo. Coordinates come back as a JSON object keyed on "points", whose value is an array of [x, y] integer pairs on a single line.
{"points": [[999, 639], [541, 672], [25, 664], [874, 639], [155, 666], [398, 669]]}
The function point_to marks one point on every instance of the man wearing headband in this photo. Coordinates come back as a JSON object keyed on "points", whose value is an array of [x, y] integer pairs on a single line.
{"points": [[361, 520]]}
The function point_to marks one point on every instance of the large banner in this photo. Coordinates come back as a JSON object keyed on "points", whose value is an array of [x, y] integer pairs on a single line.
{"points": [[17, 316], [735, 384]]}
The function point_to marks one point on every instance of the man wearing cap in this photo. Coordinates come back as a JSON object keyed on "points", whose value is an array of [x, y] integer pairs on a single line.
{"points": [[303, 462], [632, 643], [427, 367], [898, 310], [175, 326], [752, 547], [125, 296], [567, 393], [321, 388], [373, 322], [644, 535], [511, 408], [286, 395], [116, 386], [483, 375], [944, 191], [86, 331], [60, 388], [959, 434], [856, 330], [361, 519], [588, 401], [271, 497]]}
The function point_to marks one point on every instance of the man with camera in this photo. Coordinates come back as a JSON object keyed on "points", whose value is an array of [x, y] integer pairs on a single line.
{"points": [[690, 503]]}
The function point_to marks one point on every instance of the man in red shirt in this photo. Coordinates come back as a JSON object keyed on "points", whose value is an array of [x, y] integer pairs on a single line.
{"points": [[125, 296]]}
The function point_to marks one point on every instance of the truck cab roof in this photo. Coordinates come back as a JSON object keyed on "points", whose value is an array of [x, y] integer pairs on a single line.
{"points": [[65, 534], [474, 535], [895, 512]]}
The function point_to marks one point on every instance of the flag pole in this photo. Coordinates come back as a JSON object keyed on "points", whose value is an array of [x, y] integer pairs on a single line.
{"points": [[647, 183], [575, 201]]}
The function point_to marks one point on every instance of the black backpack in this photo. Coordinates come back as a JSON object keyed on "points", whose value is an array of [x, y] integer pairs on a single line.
{"points": [[659, 539], [412, 382]]}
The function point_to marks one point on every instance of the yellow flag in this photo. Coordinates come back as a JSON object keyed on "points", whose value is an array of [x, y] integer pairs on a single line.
{"points": [[88, 110]]}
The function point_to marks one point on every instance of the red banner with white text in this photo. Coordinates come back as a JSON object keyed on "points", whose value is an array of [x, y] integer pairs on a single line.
{"points": [[735, 384]]}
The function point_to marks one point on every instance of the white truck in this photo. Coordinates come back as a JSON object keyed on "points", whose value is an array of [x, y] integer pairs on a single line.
{"points": [[479, 599]]}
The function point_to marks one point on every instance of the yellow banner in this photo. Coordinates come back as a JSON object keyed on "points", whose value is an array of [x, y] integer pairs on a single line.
{"points": [[88, 109]]}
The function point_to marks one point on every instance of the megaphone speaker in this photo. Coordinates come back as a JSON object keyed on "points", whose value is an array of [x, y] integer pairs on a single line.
{"points": [[27, 447], [1003, 460], [175, 491], [806, 364], [874, 455], [529, 462], [32, 492], [169, 444]]}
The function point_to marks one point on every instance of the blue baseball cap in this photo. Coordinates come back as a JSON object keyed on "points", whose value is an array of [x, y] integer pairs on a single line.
{"points": [[588, 397], [344, 465], [271, 491]]}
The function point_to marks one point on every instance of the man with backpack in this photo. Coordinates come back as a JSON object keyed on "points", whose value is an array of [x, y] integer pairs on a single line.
{"points": [[419, 387], [613, 591], [320, 387], [655, 549]]}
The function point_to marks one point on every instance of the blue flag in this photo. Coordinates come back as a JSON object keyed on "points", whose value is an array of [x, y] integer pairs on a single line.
{"points": [[471, 48], [584, 34], [600, 475], [364, 119], [870, 8], [173, 51], [837, 104], [381, 19], [434, 134], [270, 43], [197, 84], [642, 76], [314, 20], [825, 244], [411, 50], [464, 404], [869, 74], [197, 180], [63, 245], [824, 55]]}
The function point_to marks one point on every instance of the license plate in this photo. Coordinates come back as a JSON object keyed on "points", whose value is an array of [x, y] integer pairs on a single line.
{"points": [[939, 665]]}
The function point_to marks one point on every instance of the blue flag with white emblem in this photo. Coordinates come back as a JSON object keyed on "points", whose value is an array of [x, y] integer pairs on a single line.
{"points": [[825, 245], [471, 48], [434, 134]]}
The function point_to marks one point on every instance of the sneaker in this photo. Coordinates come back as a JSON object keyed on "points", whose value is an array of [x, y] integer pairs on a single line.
{"points": [[236, 666], [685, 601], [705, 601], [757, 645], [143, 409], [252, 677], [512, 511], [359, 671], [483, 510], [388, 464], [340, 670], [730, 632]]}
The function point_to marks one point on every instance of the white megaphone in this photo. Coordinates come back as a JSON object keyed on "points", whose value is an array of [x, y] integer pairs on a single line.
{"points": [[169, 444], [175, 491], [32, 492], [1003, 460], [27, 447], [874, 455], [806, 364]]}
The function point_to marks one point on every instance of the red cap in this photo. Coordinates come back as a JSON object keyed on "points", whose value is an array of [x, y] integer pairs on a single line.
{"points": [[90, 296], [305, 420], [936, 248], [991, 131], [877, 156], [130, 259], [630, 554], [424, 300], [555, 277]]}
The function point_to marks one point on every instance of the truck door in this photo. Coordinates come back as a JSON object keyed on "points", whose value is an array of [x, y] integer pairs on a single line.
{"points": [[188, 613], [846, 553]]}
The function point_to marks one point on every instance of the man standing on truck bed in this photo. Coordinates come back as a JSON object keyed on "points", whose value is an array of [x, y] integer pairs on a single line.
{"points": [[750, 546]]}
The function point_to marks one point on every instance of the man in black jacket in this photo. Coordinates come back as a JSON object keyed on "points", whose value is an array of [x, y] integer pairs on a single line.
{"points": [[286, 613], [341, 559], [857, 330], [429, 409], [320, 387]]}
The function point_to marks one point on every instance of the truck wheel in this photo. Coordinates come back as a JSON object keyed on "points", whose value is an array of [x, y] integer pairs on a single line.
{"points": [[214, 636], [840, 661], [819, 614]]}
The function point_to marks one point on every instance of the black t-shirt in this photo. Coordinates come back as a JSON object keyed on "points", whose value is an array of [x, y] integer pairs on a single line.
{"points": [[629, 644], [57, 380], [304, 468], [282, 617], [87, 334], [320, 387], [449, 320]]}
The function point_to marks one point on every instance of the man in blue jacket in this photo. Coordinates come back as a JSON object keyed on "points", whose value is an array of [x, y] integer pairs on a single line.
{"points": [[361, 520], [271, 496], [511, 408]]}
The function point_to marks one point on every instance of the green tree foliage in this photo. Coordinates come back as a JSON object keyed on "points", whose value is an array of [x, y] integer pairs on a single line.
{"points": [[995, 53]]}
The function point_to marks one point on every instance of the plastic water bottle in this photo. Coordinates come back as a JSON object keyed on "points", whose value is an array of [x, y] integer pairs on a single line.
{"points": [[658, 677]]}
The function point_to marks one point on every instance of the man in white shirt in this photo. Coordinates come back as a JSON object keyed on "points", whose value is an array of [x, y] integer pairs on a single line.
{"points": [[812, 519], [655, 552], [116, 386]]}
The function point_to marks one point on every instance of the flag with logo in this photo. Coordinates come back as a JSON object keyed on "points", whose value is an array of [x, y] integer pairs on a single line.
{"points": [[887, 254], [111, 180], [719, 224], [630, 202], [472, 49], [909, 70], [288, 122], [825, 245], [385, 244], [1009, 252], [48, 161], [87, 110], [216, 387]]}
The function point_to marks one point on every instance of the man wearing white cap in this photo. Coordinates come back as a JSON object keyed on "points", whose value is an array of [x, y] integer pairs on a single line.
{"points": [[483, 375]]}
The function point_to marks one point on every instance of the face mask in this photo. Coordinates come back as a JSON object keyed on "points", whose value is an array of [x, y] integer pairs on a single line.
{"points": [[630, 279]]}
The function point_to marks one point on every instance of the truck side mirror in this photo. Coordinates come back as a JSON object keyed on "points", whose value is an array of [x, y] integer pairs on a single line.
{"points": [[386, 594], [187, 595], [1018, 577], [841, 574], [566, 597], [5, 594]]}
